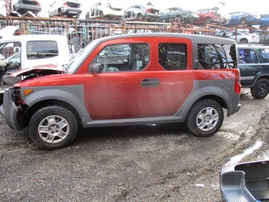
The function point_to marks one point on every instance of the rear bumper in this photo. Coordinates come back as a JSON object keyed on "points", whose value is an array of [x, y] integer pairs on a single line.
{"points": [[70, 10]]}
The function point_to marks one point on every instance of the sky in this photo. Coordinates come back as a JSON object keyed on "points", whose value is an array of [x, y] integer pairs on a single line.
{"points": [[257, 6]]}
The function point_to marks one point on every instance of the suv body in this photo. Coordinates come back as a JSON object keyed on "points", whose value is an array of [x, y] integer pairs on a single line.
{"points": [[254, 69], [68, 8], [23, 6], [130, 79], [209, 15]]}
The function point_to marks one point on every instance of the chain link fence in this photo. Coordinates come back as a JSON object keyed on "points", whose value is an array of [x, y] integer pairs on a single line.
{"points": [[81, 32]]}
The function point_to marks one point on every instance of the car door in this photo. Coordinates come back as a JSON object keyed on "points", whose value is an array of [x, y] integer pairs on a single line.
{"points": [[126, 86], [173, 74], [249, 65]]}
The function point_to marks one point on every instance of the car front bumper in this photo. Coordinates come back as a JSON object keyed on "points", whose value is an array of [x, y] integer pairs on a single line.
{"points": [[9, 111]]}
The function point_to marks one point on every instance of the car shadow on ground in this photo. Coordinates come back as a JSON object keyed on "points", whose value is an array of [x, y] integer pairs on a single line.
{"points": [[127, 132]]}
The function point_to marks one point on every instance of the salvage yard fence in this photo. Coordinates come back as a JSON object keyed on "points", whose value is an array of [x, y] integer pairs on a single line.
{"points": [[81, 32]]}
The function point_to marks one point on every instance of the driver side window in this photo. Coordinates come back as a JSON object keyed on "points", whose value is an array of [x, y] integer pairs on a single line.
{"points": [[123, 57]]}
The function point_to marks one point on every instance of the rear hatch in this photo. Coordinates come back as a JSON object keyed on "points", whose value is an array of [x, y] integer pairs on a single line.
{"points": [[73, 3]]}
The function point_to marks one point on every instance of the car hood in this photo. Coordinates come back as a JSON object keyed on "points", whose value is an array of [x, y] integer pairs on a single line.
{"points": [[32, 72]]}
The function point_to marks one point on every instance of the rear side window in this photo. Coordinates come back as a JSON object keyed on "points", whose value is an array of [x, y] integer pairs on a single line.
{"points": [[41, 49], [216, 56], [265, 54], [173, 56]]}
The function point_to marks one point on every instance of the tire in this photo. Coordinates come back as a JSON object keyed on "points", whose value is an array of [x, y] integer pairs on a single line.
{"points": [[59, 133], [243, 21], [260, 89], [139, 17], [205, 118], [101, 14], [243, 41], [179, 18], [207, 20], [60, 12]]}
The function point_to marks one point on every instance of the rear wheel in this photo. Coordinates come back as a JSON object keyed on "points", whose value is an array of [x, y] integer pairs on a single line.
{"points": [[101, 14], [207, 20], [60, 12], [243, 21], [205, 118], [139, 17], [53, 127], [179, 18], [244, 41], [260, 89]]}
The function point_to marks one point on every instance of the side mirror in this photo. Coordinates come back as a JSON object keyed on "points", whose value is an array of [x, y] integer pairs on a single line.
{"points": [[95, 68]]}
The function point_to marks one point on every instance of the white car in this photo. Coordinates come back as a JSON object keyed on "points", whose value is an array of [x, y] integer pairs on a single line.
{"points": [[68, 8], [244, 38], [105, 9]]}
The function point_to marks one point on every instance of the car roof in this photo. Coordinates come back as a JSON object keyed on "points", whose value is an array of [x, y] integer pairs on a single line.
{"points": [[194, 37], [251, 46], [33, 37]]}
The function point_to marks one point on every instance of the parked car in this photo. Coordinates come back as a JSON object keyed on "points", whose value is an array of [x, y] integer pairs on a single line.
{"points": [[240, 18], [247, 181], [264, 22], [179, 13], [209, 15], [254, 69], [106, 10], [264, 39], [241, 37], [68, 8], [141, 12], [126, 80], [23, 6]]}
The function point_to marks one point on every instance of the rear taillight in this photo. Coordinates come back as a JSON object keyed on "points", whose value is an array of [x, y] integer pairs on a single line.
{"points": [[149, 10], [65, 3], [237, 85]]}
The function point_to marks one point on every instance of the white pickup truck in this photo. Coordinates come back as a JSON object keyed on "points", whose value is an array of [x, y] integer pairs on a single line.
{"points": [[24, 51]]}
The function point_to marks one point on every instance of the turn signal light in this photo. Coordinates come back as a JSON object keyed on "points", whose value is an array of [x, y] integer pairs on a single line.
{"points": [[27, 92]]}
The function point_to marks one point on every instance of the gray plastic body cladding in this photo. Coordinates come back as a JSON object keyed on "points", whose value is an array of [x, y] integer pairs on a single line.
{"points": [[74, 95], [220, 88], [71, 94], [9, 111]]}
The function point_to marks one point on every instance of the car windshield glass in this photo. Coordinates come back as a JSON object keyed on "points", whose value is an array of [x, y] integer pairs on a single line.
{"points": [[75, 63]]}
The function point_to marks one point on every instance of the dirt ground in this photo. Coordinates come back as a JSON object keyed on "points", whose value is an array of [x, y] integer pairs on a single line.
{"points": [[141, 163]]}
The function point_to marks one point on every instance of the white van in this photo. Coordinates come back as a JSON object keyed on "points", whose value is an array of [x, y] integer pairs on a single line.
{"points": [[35, 50]]}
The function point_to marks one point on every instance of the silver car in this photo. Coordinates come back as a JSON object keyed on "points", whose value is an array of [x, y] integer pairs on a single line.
{"points": [[23, 6], [68, 8], [141, 12]]}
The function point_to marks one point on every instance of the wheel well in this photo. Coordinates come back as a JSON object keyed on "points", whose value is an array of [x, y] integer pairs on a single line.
{"points": [[30, 111], [244, 39], [219, 100], [261, 77]]}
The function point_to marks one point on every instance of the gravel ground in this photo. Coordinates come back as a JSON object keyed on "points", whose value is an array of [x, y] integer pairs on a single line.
{"points": [[141, 163]]}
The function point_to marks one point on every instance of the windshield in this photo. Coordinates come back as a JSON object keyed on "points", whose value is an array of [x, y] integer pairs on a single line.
{"points": [[83, 53]]}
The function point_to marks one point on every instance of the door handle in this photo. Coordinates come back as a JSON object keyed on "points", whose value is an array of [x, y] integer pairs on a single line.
{"points": [[150, 82]]}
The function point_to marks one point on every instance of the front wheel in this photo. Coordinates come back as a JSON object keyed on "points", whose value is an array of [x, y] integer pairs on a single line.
{"points": [[53, 127], [205, 118], [260, 89]]}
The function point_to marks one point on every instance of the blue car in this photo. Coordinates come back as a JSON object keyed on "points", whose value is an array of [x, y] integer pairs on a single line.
{"points": [[264, 20], [240, 18]]}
